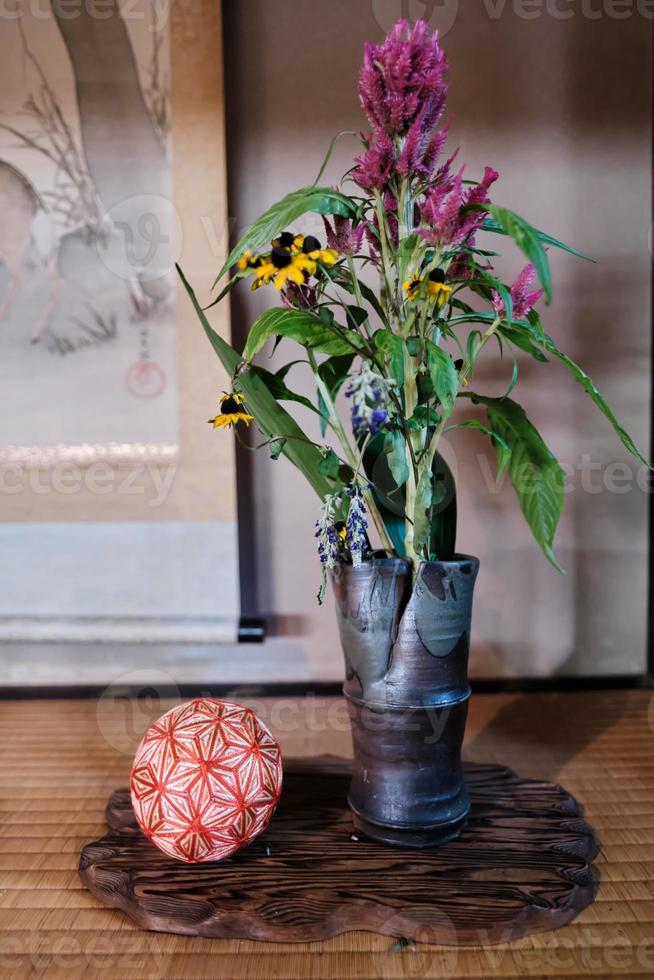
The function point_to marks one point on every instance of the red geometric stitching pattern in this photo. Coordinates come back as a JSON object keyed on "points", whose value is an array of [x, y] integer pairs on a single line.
{"points": [[206, 780]]}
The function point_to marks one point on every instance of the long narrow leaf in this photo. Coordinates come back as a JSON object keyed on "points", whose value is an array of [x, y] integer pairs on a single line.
{"points": [[526, 238], [271, 418], [537, 478], [494, 226], [590, 388], [444, 376], [280, 390], [328, 155]]}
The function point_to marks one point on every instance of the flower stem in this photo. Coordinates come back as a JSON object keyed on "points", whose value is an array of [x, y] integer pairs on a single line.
{"points": [[385, 257], [357, 294], [405, 217]]}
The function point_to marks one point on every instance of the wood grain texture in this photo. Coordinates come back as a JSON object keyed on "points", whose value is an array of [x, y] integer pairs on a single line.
{"points": [[60, 761], [521, 865]]}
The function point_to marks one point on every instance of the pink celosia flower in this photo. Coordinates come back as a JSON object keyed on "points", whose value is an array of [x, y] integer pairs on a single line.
{"points": [[403, 78], [342, 236], [445, 212], [524, 298], [376, 165], [421, 149]]}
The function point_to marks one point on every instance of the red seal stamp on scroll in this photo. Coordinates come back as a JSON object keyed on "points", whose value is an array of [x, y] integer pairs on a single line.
{"points": [[206, 780]]}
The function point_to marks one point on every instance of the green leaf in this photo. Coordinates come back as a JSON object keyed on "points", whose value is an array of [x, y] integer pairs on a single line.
{"points": [[442, 538], [589, 387], [490, 284], [234, 281], [536, 475], [279, 390], [476, 424], [522, 333], [394, 524], [301, 326], [324, 413], [334, 372], [323, 200], [422, 523], [414, 345], [502, 447], [423, 417], [514, 374], [329, 465], [526, 238], [355, 315], [372, 298], [271, 418], [495, 226], [332, 145], [534, 321], [389, 500], [395, 450], [444, 376], [409, 256], [276, 448], [424, 386], [391, 348], [522, 339], [474, 337]]}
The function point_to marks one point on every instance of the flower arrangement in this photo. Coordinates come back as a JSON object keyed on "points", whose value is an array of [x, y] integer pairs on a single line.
{"points": [[404, 353]]}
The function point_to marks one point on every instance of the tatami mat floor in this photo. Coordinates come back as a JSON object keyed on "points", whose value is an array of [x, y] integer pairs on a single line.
{"points": [[59, 761]]}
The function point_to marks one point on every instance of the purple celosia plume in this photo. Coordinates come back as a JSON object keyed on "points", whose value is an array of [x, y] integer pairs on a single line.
{"points": [[444, 213], [523, 296], [374, 168], [402, 91], [402, 79], [421, 150], [342, 237]]}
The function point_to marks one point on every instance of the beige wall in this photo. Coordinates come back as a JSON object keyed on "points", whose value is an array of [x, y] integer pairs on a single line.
{"points": [[563, 109]]}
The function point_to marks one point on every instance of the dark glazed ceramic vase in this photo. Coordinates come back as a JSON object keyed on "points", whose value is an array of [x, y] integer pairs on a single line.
{"points": [[406, 659]]}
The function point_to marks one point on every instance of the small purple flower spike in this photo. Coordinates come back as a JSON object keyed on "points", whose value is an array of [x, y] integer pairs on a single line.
{"points": [[524, 298]]}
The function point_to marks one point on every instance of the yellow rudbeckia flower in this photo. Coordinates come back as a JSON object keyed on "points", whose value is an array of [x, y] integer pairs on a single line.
{"points": [[438, 288], [412, 286], [282, 265], [232, 411], [312, 247]]}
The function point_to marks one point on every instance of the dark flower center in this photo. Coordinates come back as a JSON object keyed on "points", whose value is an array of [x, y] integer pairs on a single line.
{"points": [[437, 275], [311, 244], [286, 239], [230, 407], [280, 257]]}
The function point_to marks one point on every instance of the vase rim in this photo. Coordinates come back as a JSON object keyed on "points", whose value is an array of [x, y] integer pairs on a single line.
{"points": [[458, 560]]}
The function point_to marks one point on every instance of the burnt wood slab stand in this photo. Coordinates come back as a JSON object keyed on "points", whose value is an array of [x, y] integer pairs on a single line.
{"points": [[521, 865]]}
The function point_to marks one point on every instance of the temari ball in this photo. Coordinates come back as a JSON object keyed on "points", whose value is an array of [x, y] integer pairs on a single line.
{"points": [[206, 780]]}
